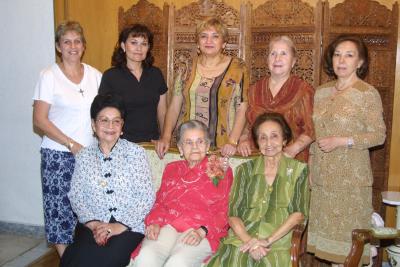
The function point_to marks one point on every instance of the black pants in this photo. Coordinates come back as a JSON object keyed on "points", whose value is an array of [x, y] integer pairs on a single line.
{"points": [[85, 252]]}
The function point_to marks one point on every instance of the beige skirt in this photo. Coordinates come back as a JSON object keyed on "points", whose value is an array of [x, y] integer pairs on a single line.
{"points": [[334, 213]]}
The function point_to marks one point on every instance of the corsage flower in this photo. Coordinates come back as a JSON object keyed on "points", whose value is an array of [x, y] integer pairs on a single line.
{"points": [[216, 167]]}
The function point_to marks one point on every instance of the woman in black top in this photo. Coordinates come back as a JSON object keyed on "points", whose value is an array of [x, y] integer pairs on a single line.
{"points": [[141, 86]]}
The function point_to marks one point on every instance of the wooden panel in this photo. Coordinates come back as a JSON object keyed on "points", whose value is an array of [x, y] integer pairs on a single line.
{"points": [[296, 19]]}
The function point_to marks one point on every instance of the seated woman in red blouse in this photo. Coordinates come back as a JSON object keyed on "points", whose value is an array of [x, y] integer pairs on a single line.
{"points": [[190, 213]]}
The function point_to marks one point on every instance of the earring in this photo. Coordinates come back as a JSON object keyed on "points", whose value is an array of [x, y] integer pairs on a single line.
{"points": [[358, 71], [121, 133], [181, 155], [198, 50]]}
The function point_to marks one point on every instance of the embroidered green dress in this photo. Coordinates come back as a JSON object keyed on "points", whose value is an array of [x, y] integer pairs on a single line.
{"points": [[263, 209]]}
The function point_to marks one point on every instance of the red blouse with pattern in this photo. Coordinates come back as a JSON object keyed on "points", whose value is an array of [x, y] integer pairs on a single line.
{"points": [[187, 199]]}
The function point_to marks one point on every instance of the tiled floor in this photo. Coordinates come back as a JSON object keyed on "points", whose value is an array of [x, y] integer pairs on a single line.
{"points": [[20, 251]]}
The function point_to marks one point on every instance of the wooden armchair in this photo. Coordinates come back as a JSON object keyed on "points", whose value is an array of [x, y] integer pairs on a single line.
{"points": [[360, 237]]}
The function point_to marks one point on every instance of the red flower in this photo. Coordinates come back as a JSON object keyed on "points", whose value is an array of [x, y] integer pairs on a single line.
{"points": [[216, 167]]}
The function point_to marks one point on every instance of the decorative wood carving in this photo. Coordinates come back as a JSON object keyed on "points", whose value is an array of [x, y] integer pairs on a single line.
{"points": [[361, 13], [192, 14], [156, 20], [293, 18], [283, 13]]}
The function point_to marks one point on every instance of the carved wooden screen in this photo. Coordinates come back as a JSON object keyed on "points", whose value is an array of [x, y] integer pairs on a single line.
{"points": [[183, 45], [377, 26], [294, 18], [156, 20]]}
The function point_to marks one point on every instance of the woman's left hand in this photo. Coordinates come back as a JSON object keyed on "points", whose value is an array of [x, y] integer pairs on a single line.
{"points": [[330, 143], [228, 150], [193, 237]]}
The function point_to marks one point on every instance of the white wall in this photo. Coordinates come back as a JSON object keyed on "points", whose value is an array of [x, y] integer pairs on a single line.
{"points": [[26, 47]]}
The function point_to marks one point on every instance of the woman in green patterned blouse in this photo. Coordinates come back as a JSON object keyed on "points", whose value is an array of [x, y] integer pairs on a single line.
{"points": [[268, 198]]}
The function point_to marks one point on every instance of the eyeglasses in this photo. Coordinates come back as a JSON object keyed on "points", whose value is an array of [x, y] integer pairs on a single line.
{"points": [[199, 142], [117, 122]]}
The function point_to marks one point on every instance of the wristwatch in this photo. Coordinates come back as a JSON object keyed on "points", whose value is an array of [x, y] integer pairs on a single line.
{"points": [[204, 229], [350, 143]]}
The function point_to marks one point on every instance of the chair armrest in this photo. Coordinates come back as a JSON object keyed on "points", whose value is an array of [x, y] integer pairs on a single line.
{"points": [[297, 235], [359, 238]]}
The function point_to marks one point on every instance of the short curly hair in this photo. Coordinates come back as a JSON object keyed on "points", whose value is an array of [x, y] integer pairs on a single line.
{"points": [[217, 24], [362, 53], [190, 125], [67, 26]]}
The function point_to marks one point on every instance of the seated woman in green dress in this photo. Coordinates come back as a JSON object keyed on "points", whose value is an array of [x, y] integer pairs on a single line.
{"points": [[269, 197]]}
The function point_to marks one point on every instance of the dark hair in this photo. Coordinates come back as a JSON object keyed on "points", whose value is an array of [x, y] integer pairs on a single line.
{"points": [[362, 53], [101, 102], [136, 30], [192, 124], [275, 117], [69, 26]]}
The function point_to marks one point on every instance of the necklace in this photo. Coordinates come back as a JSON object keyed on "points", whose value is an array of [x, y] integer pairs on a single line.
{"points": [[74, 77], [193, 181], [190, 182], [336, 90]]}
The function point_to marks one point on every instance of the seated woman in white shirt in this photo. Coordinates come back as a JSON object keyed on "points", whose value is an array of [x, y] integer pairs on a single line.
{"points": [[111, 192]]}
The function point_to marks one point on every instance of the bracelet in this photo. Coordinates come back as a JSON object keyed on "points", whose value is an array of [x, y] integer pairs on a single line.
{"points": [[231, 142], [69, 144], [204, 229]]}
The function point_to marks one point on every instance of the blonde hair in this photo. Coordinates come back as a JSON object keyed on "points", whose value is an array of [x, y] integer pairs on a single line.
{"points": [[286, 39], [67, 26], [215, 23]]}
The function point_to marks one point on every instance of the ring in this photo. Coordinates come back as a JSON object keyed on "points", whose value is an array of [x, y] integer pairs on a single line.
{"points": [[108, 231], [255, 247]]}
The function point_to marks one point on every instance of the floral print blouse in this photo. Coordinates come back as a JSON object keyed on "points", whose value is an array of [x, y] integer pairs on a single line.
{"points": [[118, 185]]}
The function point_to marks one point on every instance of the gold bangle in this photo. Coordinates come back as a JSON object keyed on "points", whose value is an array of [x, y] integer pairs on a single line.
{"points": [[231, 142]]}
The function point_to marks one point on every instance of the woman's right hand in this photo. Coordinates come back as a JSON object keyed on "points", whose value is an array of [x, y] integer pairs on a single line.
{"points": [[244, 148], [152, 231], [161, 146]]}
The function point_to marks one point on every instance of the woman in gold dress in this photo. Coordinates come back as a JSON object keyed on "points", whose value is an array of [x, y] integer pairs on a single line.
{"points": [[348, 121]]}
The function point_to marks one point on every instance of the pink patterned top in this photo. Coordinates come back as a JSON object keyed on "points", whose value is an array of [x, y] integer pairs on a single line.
{"points": [[187, 199]]}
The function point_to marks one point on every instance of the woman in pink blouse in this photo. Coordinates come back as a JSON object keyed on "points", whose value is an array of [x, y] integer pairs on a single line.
{"points": [[190, 213]]}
